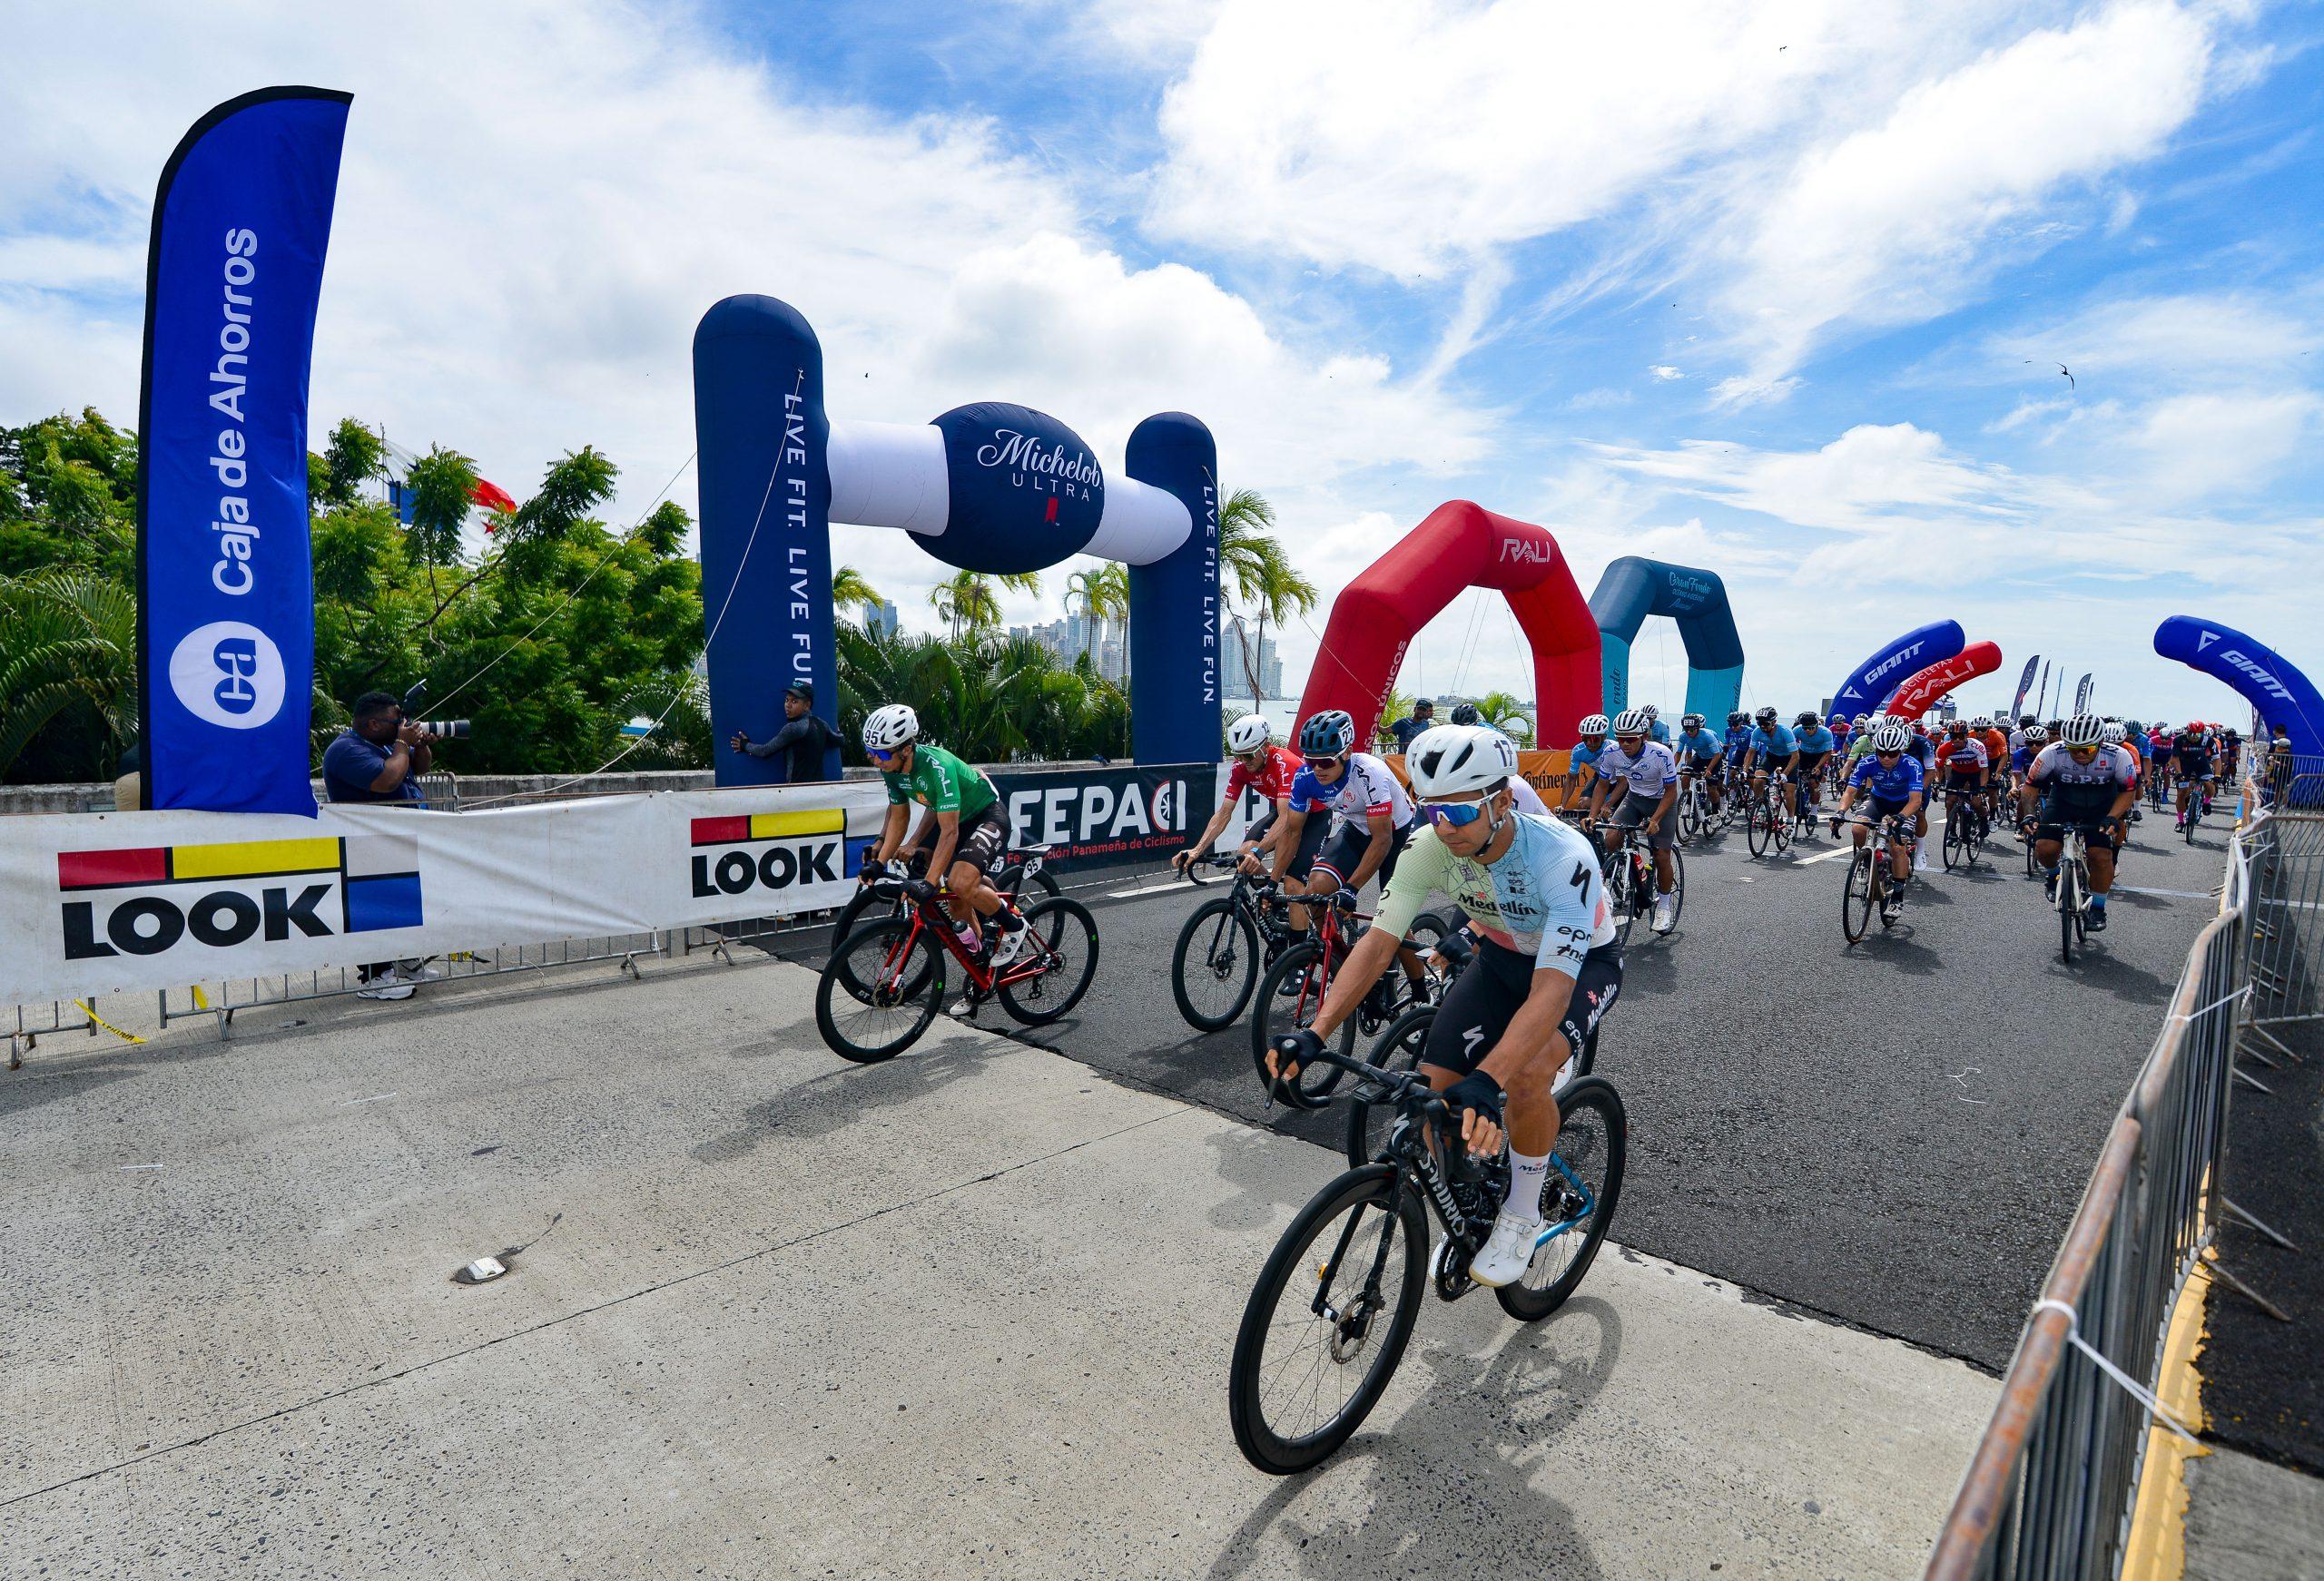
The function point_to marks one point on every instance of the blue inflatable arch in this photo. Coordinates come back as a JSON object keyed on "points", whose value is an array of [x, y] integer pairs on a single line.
{"points": [[1633, 588], [2285, 698], [1870, 684], [988, 487]]}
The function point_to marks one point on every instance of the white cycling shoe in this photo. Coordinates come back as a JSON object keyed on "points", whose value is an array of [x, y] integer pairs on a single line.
{"points": [[1005, 945], [1508, 1254]]}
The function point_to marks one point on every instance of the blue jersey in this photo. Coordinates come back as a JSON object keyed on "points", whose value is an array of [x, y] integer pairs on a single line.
{"points": [[1699, 744], [1818, 740], [1739, 742], [1659, 732], [1584, 754], [1889, 781], [1772, 746]]}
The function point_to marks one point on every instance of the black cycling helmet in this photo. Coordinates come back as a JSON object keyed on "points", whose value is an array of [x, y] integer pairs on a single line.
{"points": [[1808, 718], [1736, 716], [1466, 713], [1327, 735], [1766, 715], [1690, 723]]}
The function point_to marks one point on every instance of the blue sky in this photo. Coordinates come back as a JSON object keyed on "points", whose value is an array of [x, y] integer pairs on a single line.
{"points": [[1779, 290]]}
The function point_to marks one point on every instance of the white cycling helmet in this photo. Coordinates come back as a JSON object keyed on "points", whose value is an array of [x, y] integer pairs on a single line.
{"points": [[1594, 725], [1453, 759], [1249, 733], [890, 728], [2114, 735], [2085, 729], [1891, 737], [2037, 735], [1981, 722], [1631, 722], [1648, 710]]}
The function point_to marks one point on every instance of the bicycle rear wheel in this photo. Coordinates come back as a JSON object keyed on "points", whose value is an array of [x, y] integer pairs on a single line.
{"points": [[1214, 965], [880, 990], [1064, 947], [1273, 1014], [1578, 1201], [1856, 898], [1310, 1363]]}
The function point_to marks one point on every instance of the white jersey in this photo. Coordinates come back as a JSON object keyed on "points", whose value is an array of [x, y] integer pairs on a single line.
{"points": [[1364, 788], [1647, 774], [2109, 765], [1526, 798]]}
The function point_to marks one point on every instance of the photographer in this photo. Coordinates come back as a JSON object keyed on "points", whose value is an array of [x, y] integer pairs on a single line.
{"points": [[379, 758], [806, 738]]}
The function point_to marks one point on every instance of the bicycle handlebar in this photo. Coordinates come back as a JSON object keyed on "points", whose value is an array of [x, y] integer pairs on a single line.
{"points": [[1407, 1088]]}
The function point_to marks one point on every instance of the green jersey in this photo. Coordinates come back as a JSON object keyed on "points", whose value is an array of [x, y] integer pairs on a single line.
{"points": [[941, 781]]}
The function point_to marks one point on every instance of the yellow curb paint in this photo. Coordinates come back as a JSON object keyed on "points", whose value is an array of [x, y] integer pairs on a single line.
{"points": [[2157, 1548]]}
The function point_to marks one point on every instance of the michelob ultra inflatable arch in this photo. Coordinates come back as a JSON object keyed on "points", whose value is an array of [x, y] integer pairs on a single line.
{"points": [[1633, 588], [1870, 683], [2271, 684], [1920, 692], [1460, 545], [988, 487]]}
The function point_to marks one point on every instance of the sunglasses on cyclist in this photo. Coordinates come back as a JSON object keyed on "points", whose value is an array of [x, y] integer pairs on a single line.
{"points": [[1337, 760], [1454, 814], [1887, 751], [880, 757]]}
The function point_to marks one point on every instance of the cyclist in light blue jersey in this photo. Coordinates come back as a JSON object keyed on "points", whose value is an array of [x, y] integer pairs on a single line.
{"points": [[1772, 753], [1816, 745], [1656, 731], [1581, 764], [1701, 755]]}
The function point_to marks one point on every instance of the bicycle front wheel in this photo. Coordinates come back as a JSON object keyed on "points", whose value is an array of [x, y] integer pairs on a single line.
{"points": [[1578, 1200], [880, 990], [1214, 965], [1289, 996], [1328, 1321], [1856, 898], [1757, 828], [1064, 949]]}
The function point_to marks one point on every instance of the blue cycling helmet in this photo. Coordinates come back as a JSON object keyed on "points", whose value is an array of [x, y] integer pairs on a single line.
{"points": [[1327, 735]]}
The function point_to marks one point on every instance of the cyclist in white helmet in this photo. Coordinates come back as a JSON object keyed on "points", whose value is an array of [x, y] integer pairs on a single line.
{"points": [[2088, 785], [1258, 764], [963, 814], [1581, 763], [1546, 969], [1643, 779]]}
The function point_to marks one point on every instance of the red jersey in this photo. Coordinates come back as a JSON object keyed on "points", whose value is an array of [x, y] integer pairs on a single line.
{"points": [[1273, 780]]}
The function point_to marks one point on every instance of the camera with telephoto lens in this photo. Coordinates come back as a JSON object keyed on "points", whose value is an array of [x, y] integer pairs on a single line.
{"points": [[450, 729]]}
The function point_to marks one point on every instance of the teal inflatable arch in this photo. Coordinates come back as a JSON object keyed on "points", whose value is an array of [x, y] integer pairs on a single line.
{"points": [[1634, 589]]}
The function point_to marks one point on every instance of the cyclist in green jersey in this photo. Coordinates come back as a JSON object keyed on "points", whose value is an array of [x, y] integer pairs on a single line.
{"points": [[964, 813]]}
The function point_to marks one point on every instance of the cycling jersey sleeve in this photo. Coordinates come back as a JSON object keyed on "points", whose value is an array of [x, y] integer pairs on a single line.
{"points": [[1425, 866], [1576, 906], [1304, 792], [897, 796]]}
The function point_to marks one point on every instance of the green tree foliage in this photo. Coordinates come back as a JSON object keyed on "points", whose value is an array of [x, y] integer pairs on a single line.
{"points": [[1506, 714], [68, 497], [68, 674], [989, 698]]}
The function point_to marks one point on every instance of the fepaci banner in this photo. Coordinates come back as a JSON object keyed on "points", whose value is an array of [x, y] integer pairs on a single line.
{"points": [[226, 604]]}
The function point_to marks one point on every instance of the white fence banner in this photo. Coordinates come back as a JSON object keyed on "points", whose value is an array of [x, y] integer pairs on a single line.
{"points": [[131, 900]]}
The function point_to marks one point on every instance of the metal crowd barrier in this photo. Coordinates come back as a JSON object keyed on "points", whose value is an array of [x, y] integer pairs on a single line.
{"points": [[2050, 1489], [34, 1022]]}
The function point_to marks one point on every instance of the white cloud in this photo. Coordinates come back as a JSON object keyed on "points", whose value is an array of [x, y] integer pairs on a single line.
{"points": [[2231, 336], [1900, 221], [1665, 371], [2202, 445]]}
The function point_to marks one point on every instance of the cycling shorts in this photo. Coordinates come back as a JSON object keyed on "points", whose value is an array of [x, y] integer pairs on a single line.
{"points": [[1634, 809], [1485, 996], [1957, 781], [1873, 809], [983, 838], [1811, 761], [1311, 840], [1708, 765], [1344, 850], [2058, 815]]}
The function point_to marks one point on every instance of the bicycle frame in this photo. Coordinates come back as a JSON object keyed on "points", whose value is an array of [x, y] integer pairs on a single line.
{"points": [[1028, 965]]}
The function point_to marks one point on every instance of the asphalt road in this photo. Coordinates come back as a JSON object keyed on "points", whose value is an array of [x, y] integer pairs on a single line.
{"points": [[1892, 1135]]}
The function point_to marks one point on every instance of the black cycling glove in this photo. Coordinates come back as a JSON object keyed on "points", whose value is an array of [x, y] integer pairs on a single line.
{"points": [[1475, 1091]]}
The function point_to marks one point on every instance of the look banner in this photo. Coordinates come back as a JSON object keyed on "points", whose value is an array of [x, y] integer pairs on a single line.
{"points": [[226, 607]]}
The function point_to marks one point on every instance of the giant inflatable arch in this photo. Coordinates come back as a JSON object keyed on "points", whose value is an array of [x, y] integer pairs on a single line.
{"points": [[1459, 546], [1872, 682], [1633, 588], [1922, 689], [988, 487], [2286, 699]]}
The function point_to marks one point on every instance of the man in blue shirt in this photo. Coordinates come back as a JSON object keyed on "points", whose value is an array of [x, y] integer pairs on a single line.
{"points": [[1772, 751], [1739, 738], [1701, 756], [379, 758], [1893, 785], [1816, 745], [1581, 763], [1656, 731]]}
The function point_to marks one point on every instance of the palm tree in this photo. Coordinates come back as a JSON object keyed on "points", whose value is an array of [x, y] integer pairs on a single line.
{"points": [[965, 601], [1082, 588], [1263, 579], [1107, 596], [1505, 713], [67, 637], [848, 587]]}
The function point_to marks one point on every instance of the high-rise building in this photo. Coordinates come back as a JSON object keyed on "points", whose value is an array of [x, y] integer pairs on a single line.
{"points": [[1235, 675], [880, 618]]}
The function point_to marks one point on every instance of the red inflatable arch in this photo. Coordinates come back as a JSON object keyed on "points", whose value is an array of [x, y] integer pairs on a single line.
{"points": [[1921, 689], [1460, 545]]}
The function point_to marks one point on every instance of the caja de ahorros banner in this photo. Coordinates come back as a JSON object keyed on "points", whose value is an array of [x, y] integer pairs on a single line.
{"points": [[225, 604]]}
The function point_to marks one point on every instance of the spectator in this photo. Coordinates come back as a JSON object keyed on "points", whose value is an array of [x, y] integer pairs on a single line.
{"points": [[1423, 717], [379, 758], [807, 738], [129, 780]]}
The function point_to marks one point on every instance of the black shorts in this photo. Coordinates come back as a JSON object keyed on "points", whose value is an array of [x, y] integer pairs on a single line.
{"points": [[2056, 816], [1809, 762], [1636, 809], [983, 838], [1345, 848], [1311, 840], [1962, 784], [1483, 999]]}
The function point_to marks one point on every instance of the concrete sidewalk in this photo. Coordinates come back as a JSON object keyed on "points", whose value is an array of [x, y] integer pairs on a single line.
{"points": [[967, 1312]]}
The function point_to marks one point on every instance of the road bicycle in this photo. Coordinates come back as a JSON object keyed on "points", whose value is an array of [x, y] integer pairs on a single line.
{"points": [[1870, 883], [2072, 898], [1294, 988], [1399, 1049], [2158, 787], [1215, 963], [1628, 867], [1965, 829], [1770, 824], [885, 983], [1696, 815], [1335, 1306], [1018, 871], [2199, 806]]}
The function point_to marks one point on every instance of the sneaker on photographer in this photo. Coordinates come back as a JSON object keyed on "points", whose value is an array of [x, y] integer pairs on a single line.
{"points": [[386, 988]]}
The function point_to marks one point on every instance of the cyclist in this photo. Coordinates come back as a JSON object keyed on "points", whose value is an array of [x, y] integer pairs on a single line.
{"points": [[1893, 786], [2231, 755], [1738, 743], [1816, 746], [1581, 764], [1655, 729], [2191, 756], [1701, 756], [1545, 971], [1527, 799], [1649, 776], [2087, 785], [2030, 740], [1372, 821], [1260, 764], [2119, 735], [1772, 753], [963, 814], [1842, 731], [1968, 771]]}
